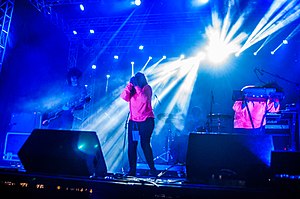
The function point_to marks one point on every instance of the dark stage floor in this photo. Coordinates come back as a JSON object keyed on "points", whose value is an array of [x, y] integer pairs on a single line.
{"points": [[169, 182]]}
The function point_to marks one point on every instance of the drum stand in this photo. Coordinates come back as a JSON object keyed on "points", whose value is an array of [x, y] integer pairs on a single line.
{"points": [[166, 156]]}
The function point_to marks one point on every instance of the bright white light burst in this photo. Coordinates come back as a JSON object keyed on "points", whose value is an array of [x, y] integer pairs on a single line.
{"points": [[218, 49]]}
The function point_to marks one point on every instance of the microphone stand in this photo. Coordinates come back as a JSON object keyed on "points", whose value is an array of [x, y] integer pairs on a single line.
{"points": [[210, 114], [279, 77], [157, 100], [125, 130]]}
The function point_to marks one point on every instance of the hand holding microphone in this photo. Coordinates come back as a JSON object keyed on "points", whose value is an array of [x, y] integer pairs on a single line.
{"points": [[133, 81]]}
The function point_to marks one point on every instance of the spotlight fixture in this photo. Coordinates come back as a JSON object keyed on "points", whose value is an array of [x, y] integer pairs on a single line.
{"points": [[137, 2], [164, 57], [81, 7]]}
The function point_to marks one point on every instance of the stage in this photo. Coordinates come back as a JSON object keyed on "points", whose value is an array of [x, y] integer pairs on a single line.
{"points": [[18, 183], [216, 166]]}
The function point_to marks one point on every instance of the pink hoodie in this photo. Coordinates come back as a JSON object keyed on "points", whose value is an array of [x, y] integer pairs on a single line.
{"points": [[257, 110], [140, 103]]}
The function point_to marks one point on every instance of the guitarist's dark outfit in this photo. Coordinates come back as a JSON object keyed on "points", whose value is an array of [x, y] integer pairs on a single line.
{"points": [[74, 99]]}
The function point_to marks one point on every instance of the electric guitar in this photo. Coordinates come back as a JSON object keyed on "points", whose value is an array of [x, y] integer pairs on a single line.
{"points": [[47, 117]]}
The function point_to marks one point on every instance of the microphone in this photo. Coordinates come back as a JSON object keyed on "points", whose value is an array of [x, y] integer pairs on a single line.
{"points": [[259, 71]]}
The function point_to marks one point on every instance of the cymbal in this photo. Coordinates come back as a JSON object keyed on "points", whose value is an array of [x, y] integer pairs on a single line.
{"points": [[169, 118]]}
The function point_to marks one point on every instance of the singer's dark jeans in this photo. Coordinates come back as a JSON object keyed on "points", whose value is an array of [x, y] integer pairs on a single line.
{"points": [[145, 130]]}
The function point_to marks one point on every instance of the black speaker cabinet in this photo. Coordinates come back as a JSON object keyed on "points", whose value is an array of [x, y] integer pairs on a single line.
{"points": [[63, 152], [221, 158], [285, 162]]}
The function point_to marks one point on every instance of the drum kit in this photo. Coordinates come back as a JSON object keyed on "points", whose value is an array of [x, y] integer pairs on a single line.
{"points": [[216, 123], [170, 121]]}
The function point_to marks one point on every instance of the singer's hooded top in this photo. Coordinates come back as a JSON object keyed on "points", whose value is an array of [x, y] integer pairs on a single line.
{"points": [[139, 100]]}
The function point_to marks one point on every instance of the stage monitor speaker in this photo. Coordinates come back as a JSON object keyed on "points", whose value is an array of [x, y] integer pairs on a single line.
{"points": [[285, 163], [223, 158], [63, 152]]}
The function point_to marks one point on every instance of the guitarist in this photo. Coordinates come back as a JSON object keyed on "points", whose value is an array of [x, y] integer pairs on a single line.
{"points": [[74, 98]]}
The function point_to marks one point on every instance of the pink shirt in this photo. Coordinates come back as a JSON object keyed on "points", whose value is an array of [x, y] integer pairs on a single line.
{"points": [[140, 103], [257, 110]]}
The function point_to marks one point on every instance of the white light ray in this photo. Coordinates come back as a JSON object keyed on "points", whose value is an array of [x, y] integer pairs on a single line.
{"points": [[265, 28], [221, 41], [275, 6]]}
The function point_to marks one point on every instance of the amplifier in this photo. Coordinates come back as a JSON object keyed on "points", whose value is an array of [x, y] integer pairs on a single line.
{"points": [[282, 127], [13, 142], [277, 124]]}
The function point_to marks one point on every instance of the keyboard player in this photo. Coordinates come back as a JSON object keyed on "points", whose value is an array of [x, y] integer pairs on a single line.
{"points": [[250, 110]]}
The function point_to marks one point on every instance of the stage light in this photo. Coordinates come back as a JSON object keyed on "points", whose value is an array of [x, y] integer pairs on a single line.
{"points": [[201, 55], [221, 43], [145, 65], [94, 66], [285, 41], [92, 31], [137, 2], [197, 3], [141, 47], [272, 52], [255, 53], [81, 7], [108, 76], [181, 56], [132, 68], [164, 57], [74, 32], [218, 52], [116, 57]]}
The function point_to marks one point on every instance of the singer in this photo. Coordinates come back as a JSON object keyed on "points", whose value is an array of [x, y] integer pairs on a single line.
{"points": [[141, 121]]}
